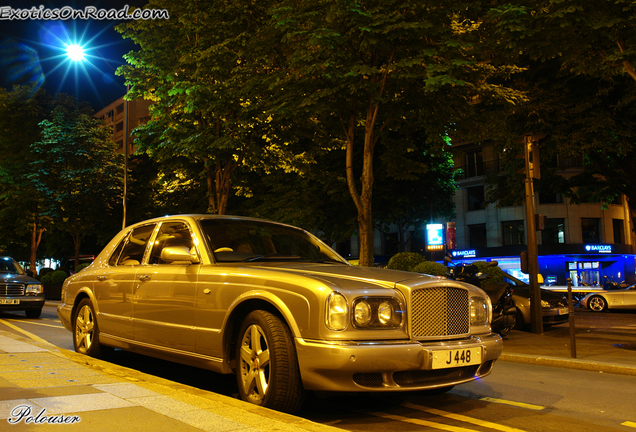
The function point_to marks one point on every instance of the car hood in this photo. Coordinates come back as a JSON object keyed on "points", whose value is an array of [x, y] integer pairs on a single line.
{"points": [[357, 276], [524, 291], [12, 278]]}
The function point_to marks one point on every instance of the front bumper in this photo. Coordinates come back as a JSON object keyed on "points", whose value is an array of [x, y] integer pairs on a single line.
{"points": [[64, 312], [24, 303], [389, 366]]}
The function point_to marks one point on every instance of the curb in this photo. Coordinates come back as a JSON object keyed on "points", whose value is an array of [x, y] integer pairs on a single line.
{"points": [[587, 365]]}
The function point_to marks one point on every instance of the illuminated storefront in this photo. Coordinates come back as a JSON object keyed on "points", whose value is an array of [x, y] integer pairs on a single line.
{"points": [[585, 265]]}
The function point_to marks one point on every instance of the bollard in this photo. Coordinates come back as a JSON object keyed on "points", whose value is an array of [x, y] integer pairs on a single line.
{"points": [[571, 311]]}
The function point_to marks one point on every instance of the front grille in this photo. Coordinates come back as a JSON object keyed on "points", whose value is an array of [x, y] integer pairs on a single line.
{"points": [[440, 311], [8, 290]]}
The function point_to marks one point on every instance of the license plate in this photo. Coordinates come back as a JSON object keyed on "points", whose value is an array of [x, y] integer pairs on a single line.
{"points": [[9, 301], [455, 358], [564, 311]]}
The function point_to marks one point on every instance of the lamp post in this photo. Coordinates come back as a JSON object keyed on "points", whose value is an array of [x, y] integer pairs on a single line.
{"points": [[75, 53]]}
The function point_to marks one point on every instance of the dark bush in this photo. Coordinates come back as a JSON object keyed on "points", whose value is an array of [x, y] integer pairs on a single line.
{"points": [[44, 271], [406, 261], [82, 267], [430, 268], [46, 279], [58, 276]]}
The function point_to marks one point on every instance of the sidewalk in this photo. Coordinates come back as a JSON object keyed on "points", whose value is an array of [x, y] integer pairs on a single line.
{"points": [[48, 386], [42, 384]]}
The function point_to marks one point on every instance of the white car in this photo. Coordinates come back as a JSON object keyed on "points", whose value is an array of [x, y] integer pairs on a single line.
{"points": [[615, 299]]}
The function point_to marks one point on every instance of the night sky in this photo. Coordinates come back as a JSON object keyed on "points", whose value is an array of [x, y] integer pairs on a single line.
{"points": [[34, 51]]}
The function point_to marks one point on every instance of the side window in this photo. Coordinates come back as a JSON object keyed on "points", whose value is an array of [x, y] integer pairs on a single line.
{"points": [[133, 251], [170, 234]]}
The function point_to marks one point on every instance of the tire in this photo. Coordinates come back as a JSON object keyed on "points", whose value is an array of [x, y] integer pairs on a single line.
{"points": [[86, 330], [33, 313], [597, 304], [267, 367]]}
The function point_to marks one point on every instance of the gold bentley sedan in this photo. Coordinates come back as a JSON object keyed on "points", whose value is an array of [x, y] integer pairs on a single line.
{"points": [[277, 307]]}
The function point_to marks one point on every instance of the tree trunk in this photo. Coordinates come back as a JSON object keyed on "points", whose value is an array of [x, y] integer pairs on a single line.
{"points": [[363, 199], [210, 186], [36, 237]]}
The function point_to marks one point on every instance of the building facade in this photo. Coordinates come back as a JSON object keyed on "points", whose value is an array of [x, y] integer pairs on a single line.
{"points": [[588, 243], [122, 125]]}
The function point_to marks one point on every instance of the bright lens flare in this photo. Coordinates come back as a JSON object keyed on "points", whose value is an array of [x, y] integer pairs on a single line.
{"points": [[75, 52]]}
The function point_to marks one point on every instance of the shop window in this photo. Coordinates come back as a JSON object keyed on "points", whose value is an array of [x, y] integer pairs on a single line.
{"points": [[476, 198], [554, 232], [513, 233], [619, 231], [477, 236], [590, 229]]}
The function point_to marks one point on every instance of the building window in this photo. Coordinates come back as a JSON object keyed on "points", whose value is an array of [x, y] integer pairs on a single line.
{"points": [[119, 127], [474, 164], [120, 144], [550, 198], [554, 232], [120, 109], [590, 228], [619, 231], [513, 233], [477, 236], [475, 198]]}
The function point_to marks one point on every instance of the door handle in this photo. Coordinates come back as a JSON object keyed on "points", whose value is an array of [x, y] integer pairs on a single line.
{"points": [[101, 278], [144, 277]]}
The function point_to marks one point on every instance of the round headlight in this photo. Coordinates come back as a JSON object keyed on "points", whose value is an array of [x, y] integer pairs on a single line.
{"points": [[362, 313], [385, 312]]}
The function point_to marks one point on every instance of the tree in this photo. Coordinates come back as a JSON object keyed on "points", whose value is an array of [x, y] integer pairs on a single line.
{"points": [[590, 37], [366, 64], [200, 75], [77, 172], [414, 185], [22, 207]]}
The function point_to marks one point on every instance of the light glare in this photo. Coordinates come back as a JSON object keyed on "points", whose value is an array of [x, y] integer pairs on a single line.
{"points": [[75, 52]]}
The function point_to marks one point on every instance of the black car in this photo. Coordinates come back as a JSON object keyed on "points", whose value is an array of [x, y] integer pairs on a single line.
{"points": [[554, 307], [19, 291]]}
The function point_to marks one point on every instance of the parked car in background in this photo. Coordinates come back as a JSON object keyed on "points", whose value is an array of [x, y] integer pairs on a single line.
{"points": [[278, 308], [615, 299], [19, 292], [554, 307]]}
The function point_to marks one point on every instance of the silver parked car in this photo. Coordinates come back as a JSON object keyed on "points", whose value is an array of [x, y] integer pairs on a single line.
{"points": [[277, 307], [601, 301]]}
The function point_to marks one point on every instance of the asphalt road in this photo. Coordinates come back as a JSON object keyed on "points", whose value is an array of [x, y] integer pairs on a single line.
{"points": [[515, 397]]}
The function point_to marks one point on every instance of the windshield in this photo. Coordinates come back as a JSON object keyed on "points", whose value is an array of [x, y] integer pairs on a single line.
{"points": [[236, 240], [7, 265]]}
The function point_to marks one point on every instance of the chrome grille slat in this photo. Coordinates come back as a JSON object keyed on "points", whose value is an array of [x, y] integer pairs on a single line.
{"points": [[440, 311], [8, 290]]}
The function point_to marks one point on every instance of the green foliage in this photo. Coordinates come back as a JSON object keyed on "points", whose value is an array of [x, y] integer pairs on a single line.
{"points": [[495, 274], [81, 267], [46, 270], [58, 276], [77, 172], [46, 279], [430, 268], [406, 261]]}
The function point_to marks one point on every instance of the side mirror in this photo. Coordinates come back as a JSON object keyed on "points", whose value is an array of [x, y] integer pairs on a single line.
{"points": [[178, 253]]}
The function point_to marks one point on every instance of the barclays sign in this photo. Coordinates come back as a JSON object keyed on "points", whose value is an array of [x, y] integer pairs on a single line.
{"points": [[599, 248]]}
